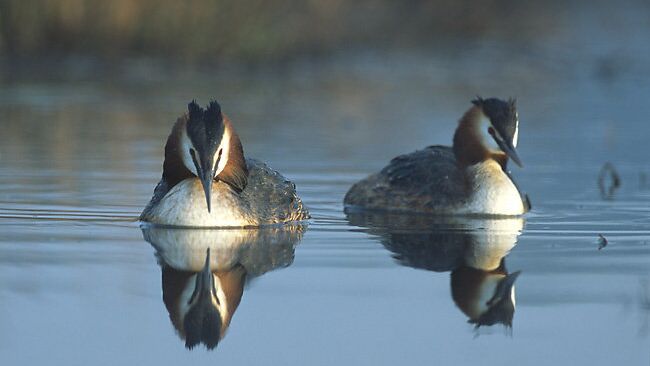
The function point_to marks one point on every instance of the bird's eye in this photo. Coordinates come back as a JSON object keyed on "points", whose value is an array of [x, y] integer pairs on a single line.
{"points": [[491, 131]]}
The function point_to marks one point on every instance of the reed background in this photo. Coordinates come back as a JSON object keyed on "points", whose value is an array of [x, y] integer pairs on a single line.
{"points": [[259, 31]]}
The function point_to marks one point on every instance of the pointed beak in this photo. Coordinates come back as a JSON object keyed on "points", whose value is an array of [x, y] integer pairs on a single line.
{"points": [[206, 182], [206, 176], [507, 148]]}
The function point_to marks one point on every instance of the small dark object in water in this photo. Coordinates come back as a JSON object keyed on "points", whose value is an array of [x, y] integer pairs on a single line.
{"points": [[608, 170], [602, 241]]}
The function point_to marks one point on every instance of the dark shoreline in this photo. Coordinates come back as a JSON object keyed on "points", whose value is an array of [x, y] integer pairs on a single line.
{"points": [[253, 32]]}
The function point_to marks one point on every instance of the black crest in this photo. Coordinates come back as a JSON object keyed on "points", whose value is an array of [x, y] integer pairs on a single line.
{"points": [[502, 114], [205, 126]]}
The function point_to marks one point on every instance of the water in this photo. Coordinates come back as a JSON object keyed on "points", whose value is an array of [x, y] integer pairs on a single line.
{"points": [[80, 155]]}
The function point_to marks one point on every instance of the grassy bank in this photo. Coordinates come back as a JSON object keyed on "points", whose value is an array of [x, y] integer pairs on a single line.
{"points": [[254, 30]]}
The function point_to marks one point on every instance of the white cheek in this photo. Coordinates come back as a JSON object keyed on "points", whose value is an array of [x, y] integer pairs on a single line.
{"points": [[488, 140], [515, 137], [186, 145], [225, 151]]}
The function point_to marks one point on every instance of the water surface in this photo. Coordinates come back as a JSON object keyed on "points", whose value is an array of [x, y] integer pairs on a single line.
{"points": [[80, 155]]}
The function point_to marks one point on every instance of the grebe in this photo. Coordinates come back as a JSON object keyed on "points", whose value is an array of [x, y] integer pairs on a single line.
{"points": [[470, 178], [205, 164]]}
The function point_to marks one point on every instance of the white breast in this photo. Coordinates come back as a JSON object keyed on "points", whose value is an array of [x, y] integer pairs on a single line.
{"points": [[493, 192], [185, 205]]}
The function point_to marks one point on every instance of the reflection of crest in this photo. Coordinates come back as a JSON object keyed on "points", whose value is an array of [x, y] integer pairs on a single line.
{"points": [[472, 249], [204, 272]]}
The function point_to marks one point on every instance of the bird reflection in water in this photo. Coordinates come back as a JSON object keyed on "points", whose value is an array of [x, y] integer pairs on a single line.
{"points": [[204, 273], [472, 249]]}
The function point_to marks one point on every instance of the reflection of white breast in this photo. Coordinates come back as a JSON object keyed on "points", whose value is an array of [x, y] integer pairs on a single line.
{"points": [[184, 205], [493, 242], [493, 192], [258, 250]]}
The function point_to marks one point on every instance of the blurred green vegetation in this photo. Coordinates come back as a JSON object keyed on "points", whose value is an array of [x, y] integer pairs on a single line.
{"points": [[254, 30]]}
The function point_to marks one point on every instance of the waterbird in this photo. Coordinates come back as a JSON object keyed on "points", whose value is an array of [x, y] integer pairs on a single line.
{"points": [[469, 178], [207, 181]]}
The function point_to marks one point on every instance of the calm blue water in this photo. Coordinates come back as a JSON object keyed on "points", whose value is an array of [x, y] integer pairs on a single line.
{"points": [[80, 155]]}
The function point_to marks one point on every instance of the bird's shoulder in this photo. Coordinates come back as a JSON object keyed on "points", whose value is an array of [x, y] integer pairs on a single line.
{"points": [[434, 167], [271, 194], [426, 180], [158, 193]]}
